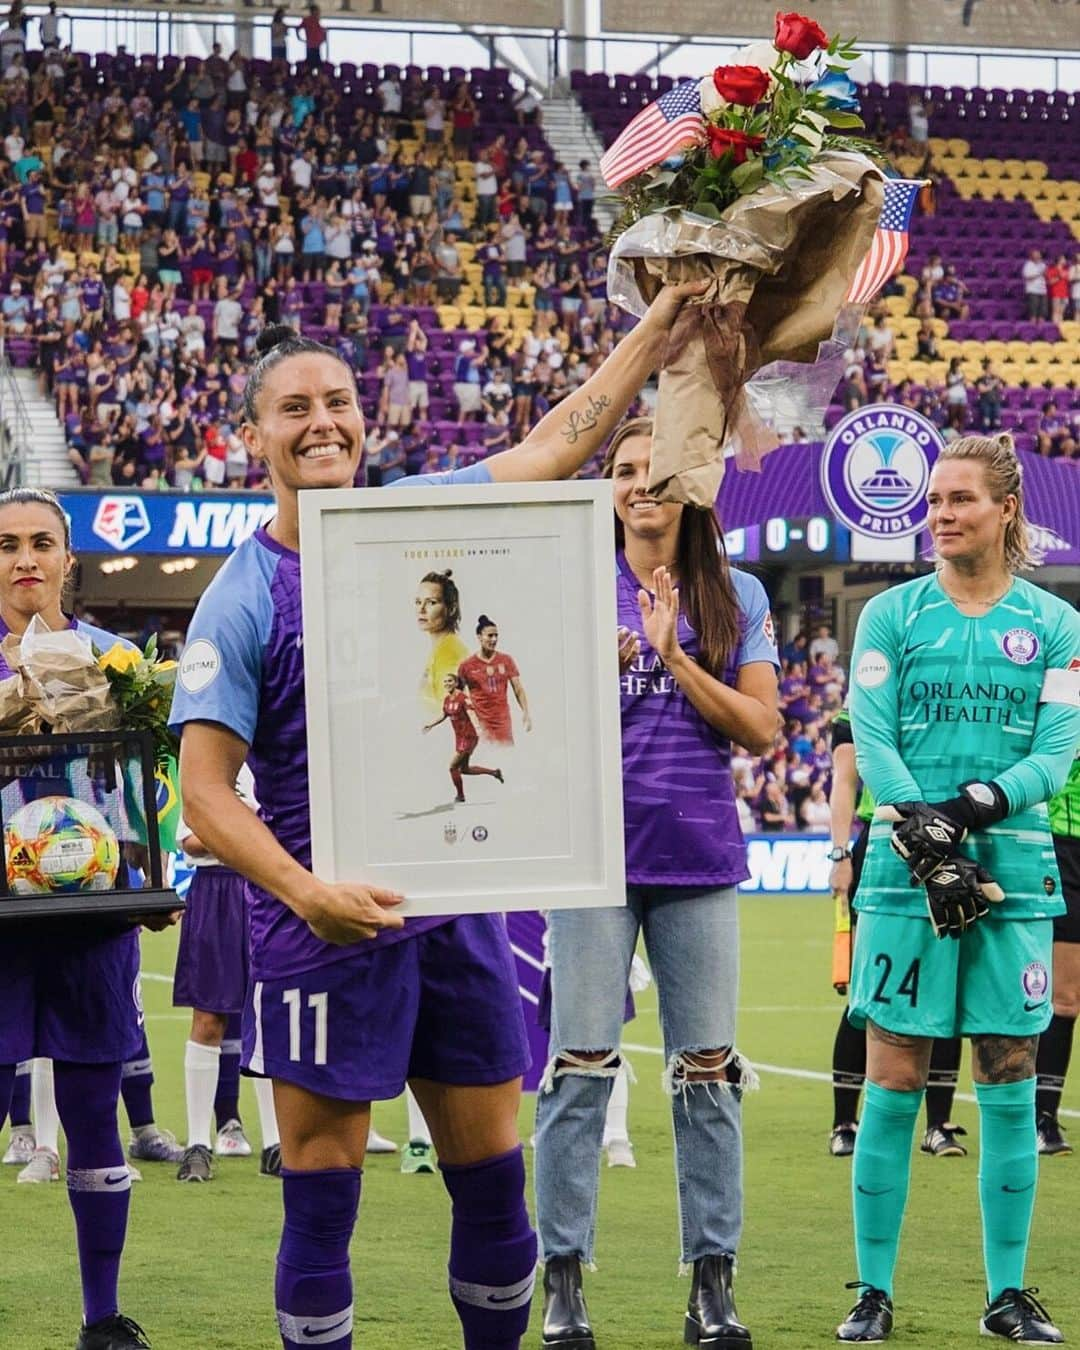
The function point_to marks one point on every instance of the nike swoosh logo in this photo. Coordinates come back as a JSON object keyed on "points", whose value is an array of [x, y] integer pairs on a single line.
{"points": [[1018, 1190], [322, 1331], [863, 1191], [1034, 1007], [494, 1300], [116, 1181]]}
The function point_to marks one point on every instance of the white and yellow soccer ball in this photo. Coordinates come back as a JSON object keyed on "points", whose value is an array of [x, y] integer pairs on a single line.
{"points": [[60, 844]]}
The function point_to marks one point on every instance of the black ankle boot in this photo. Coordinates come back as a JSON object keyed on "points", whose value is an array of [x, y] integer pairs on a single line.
{"points": [[711, 1320], [566, 1318]]}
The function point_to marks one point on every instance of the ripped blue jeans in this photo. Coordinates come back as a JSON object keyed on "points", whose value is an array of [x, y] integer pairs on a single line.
{"points": [[692, 941]]}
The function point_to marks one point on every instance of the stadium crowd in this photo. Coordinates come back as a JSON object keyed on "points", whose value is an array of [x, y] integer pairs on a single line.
{"points": [[155, 217]]}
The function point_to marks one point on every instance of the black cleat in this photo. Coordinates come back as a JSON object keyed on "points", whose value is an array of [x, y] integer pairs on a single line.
{"points": [[711, 1320], [842, 1140], [113, 1333], [1052, 1141], [566, 1318], [943, 1141], [270, 1162], [1017, 1315], [196, 1164], [870, 1321]]}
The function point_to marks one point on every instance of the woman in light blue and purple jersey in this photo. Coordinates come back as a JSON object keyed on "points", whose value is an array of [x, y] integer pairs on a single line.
{"points": [[701, 674], [348, 1003]]}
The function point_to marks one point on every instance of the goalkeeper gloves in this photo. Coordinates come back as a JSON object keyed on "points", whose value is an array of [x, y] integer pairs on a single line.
{"points": [[957, 895], [927, 834]]}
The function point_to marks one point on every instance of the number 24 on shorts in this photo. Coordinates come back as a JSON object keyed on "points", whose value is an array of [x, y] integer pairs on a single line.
{"points": [[317, 1003], [907, 988]]}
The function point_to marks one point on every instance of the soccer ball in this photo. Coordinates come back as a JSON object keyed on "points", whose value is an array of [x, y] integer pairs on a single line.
{"points": [[60, 844]]}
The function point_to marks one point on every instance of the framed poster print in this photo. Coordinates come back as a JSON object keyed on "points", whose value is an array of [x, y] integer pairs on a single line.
{"points": [[462, 694]]}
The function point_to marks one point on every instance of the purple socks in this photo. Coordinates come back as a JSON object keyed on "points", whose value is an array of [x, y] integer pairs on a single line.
{"points": [[7, 1092], [99, 1185], [492, 1251], [135, 1085], [313, 1289], [227, 1097]]}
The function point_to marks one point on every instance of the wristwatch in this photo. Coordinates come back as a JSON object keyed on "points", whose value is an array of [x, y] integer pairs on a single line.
{"points": [[838, 853]]}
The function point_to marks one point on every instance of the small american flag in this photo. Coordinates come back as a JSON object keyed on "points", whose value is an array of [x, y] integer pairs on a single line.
{"points": [[655, 134], [890, 244]]}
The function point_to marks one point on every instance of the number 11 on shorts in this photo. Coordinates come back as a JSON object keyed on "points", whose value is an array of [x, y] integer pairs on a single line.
{"points": [[317, 1003]]}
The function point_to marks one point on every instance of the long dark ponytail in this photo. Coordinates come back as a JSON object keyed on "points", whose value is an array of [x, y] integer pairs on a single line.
{"points": [[706, 590]]}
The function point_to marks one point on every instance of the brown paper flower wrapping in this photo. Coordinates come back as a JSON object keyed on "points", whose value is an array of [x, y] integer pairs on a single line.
{"points": [[781, 262], [56, 684]]}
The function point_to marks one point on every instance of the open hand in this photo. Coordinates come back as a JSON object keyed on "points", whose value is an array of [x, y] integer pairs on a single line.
{"points": [[629, 648], [660, 616], [346, 912]]}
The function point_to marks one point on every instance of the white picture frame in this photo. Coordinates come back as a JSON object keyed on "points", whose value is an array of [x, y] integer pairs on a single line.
{"points": [[539, 560]]}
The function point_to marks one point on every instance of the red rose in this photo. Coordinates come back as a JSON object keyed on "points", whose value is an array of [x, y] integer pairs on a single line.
{"points": [[797, 34], [723, 139], [745, 85]]}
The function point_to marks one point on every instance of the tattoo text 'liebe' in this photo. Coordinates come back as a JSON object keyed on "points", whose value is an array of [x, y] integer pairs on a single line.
{"points": [[579, 422]]}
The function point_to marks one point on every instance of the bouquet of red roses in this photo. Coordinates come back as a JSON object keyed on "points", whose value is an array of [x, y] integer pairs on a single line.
{"points": [[750, 178]]}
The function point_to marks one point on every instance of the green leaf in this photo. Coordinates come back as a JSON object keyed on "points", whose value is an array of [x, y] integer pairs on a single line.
{"points": [[836, 118], [748, 176], [706, 208]]}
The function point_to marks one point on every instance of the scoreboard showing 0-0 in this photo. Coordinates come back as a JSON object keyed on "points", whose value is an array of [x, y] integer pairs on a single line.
{"points": [[804, 539]]}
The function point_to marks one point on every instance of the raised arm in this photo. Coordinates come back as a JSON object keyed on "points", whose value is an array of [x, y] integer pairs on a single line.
{"points": [[572, 432]]}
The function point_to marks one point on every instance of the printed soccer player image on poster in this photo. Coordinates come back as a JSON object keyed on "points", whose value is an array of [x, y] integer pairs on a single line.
{"points": [[463, 709]]}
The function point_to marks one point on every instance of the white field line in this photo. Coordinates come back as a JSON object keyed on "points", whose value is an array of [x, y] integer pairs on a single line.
{"points": [[813, 1075]]}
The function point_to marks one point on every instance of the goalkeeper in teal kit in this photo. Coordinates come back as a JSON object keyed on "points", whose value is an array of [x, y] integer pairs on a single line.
{"points": [[965, 706]]}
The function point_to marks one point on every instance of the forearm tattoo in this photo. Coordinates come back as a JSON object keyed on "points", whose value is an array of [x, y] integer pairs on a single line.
{"points": [[1005, 1059], [582, 420]]}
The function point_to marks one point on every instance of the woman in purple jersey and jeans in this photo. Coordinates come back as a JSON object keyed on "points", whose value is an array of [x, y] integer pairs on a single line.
{"points": [[71, 994], [702, 674], [347, 1003]]}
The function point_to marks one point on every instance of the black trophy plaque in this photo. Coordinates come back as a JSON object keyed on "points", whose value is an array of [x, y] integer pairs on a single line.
{"points": [[78, 823]]}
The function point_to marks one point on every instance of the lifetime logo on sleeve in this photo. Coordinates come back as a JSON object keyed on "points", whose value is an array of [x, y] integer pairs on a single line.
{"points": [[875, 470], [199, 665], [873, 670]]}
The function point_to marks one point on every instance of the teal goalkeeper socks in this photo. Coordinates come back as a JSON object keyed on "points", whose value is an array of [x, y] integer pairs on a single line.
{"points": [[880, 1180], [1008, 1171]]}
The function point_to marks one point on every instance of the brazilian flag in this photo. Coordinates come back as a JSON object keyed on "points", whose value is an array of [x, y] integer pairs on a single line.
{"points": [[167, 789]]}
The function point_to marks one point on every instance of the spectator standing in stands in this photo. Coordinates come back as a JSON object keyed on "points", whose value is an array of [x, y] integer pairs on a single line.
{"points": [[1057, 287], [586, 196], [416, 345], [49, 28], [824, 644], [949, 296], [1033, 274], [279, 35], [487, 187], [926, 348], [467, 387], [1074, 286], [989, 389], [314, 35], [956, 394]]}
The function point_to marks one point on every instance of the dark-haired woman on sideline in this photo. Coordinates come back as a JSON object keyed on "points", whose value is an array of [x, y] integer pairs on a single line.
{"points": [[348, 1002], [72, 996], [701, 674]]}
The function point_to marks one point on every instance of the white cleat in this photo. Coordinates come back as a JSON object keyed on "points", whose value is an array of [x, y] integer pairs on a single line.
{"points": [[43, 1166], [231, 1141], [620, 1153], [378, 1143], [20, 1149]]}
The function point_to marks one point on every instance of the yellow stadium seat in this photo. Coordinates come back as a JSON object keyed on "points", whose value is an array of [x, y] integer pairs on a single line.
{"points": [[521, 319], [1012, 168], [473, 316], [466, 251], [449, 316], [1035, 168], [958, 146]]}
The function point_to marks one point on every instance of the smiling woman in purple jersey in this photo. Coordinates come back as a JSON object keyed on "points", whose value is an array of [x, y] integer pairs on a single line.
{"points": [[701, 675], [70, 995], [347, 1002]]}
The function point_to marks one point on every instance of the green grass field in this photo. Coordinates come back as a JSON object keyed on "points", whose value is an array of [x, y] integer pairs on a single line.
{"points": [[198, 1272]]}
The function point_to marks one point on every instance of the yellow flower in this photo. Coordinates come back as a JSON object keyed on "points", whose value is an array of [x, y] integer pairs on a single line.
{"points": [[120, 658], [165, 665]]}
